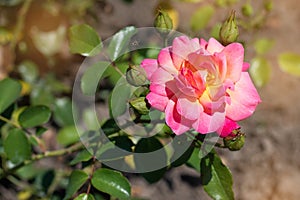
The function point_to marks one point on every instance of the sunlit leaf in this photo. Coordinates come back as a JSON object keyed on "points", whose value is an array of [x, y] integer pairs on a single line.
{"points": [[84, 40], [49, 43], [68, 135], [111, 182], [216, 177], [34, 116], [201, 17], [90, 119], [290, 63], [28, 171], [6, 35], [263, 45], [194, 160], [215, 31], [85, 196], [148, 145], [183, 149], [82, 156], [17, 146], [91, 77], [76, 181], [28, 71], [10, 2], [119, 42], [260, 71], [41, 95], [10, 91], [63, 112]]}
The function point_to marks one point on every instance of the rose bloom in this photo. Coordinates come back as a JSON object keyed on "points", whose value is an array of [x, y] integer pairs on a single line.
{"points": [[201, 85]]}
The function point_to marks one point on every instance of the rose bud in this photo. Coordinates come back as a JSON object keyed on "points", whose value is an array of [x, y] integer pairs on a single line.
{"points": [[136, 76], [235, 141], [269, 6], [163, 23], [229, 31], [247, 10]]}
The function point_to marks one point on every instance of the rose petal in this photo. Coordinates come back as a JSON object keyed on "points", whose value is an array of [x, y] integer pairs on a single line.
{"points": [[175, 121], [150, 66], [246, 66], [161, 76], [209, 123], [157, 101], [189, 108], [228, 127], [182, 47], [235, 60], [210, 106], [244, 99], [168, 89], [203, 44], [213, 46], [166, 62]]}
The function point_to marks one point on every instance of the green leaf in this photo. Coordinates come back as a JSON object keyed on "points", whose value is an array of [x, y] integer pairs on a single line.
{"points": [[290, 63], [262, 46], [28, 71], [44, 180], [90, 119], [215, 31], [34, 116], [120, 41], [260, 71], [63, 112], [40, 130], [216, 177], [76, 181], [28, 171], [122, 142], [184, 157], [194, 160], [41, 95], [17, 146], [82, 156], [84, 40], [110, 127], [10, 91], [85, 196], [111, 182], [147, 145], [201, 17], [68, 135], [113, 75], [91, 77]]}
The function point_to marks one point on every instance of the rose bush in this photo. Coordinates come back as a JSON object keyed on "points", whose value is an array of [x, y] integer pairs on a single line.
{"points": [[201, 85]]}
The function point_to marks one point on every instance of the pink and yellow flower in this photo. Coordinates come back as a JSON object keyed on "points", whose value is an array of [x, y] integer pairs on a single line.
{"points": [[201, 85]]}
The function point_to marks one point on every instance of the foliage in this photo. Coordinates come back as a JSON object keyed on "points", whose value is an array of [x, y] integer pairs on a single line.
{"points": [[36, 109]]}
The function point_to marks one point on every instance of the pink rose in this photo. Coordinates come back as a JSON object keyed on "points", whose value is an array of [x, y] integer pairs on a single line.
{"points": [[201, 85]]}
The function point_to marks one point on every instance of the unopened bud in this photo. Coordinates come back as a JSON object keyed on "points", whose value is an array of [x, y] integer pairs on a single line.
{"points": [[140, 105], [235, 141], [268, 6], [163, 22], [247, 10], [229, 31], [136, 76]]}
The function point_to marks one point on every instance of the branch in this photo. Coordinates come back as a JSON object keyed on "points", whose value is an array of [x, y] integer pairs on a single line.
{"points": [[46, 154]]}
